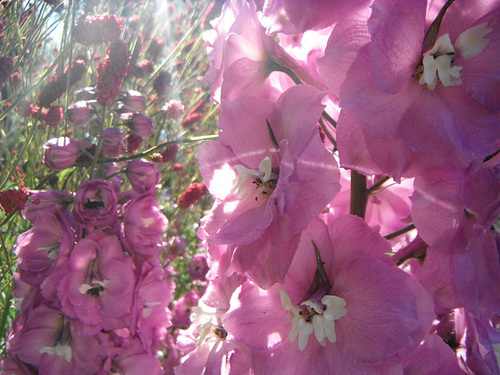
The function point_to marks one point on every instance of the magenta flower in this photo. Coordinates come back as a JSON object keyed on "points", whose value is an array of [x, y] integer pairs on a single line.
{"points": [[243, 56], [308, 15], [44, 246], [49, 343], [95, 204], [114, 142], [198, 267], [424, 100], [140, 125], [143, 225], [143, 176], [134, 100], [150, 313], [270, 175], [332, 314], [61, 153], [79, 113], [98, 284]]}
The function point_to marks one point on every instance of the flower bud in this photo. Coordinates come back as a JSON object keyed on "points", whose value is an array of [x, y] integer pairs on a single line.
{"points": [[134, 100], [54, 116], [87, 93], [162, 82], [198, 267], [95, 204], [140, 125], [114, 142], [60, 153], [169, 154], [79, 113], [143, 176]]}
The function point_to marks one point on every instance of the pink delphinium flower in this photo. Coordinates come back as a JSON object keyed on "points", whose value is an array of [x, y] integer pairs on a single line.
{"points": [[134, 100], [61, 153], [426, 98], [79, 113], [140, 125], [44, 246], [332, 314], [130, 357], [49, 343], [301, 16], [97, 285], [388, 207], [243, 56], [114, 142], [150, 313], [143, 176], [143, 226], [95, 204], [198, 267], [270, 175]]}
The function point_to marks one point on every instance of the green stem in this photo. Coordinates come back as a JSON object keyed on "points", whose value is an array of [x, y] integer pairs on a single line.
{"points": [[105, 111], [375, 187], [359, 194], [400, 232], [150, 150]]}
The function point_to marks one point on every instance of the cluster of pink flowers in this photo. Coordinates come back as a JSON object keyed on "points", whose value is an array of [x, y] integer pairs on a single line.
{"points": [[405, 95]]}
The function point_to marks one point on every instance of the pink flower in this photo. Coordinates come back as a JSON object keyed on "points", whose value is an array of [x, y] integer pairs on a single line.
{"points": [[243, 56], [114, 142], [95, 204], [332, 314], [97, 285], [423, 100], [174, 108], [150, 313], [270, 175], [134, 100], [143, 176], [49, 344], [79, 113], [140, 125], [61, 153], [198, 267], [143, 225]]}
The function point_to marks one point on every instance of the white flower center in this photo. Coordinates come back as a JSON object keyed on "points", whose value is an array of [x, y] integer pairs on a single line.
{"points": [[315, 317], [261, 178], [61, 350], [438, 62]]}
